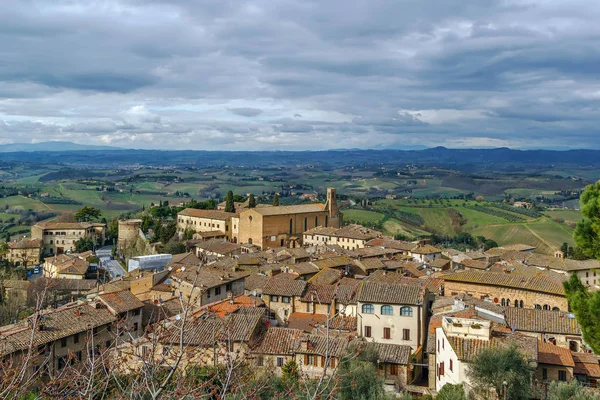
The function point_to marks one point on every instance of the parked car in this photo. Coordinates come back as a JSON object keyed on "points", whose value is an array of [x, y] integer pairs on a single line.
{"points": [[36, 270]]}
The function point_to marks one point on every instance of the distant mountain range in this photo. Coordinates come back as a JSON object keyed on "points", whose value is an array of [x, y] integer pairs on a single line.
{"points": [[463, 159], [51, 146]]}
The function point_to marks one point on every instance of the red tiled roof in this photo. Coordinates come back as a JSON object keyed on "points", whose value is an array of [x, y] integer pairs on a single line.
{"points": [[209, 214], [121, 302], [538, 283], [371, 292], [319, 293], [305, 322], [227, 307], [549, 353], [284, 287], [279, 341], [586, 364]]}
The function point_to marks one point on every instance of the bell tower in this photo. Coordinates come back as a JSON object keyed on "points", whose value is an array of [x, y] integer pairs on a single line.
{"points": [[335, 216]]}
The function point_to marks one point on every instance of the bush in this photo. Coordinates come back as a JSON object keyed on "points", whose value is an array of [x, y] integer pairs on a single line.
{"points": [[451, 392]]}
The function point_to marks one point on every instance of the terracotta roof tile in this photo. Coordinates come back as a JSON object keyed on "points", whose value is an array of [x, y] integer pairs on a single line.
{"points": [[57, 324], [333, 262], [282, 210], [391, 353], [210, 214], [279, 341], [326, 276], [284, 287], [539, 283], [305, 322], [545, 321], [468, 349], [255, 281], [549, 353], [586, 364], [237, 327], [371, 292], [319, 293], [26, 244], [121, 302]]}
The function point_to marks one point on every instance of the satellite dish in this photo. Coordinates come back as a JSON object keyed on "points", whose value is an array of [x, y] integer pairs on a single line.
{"points": [[170, 268], [178, 317], [182, 269]]}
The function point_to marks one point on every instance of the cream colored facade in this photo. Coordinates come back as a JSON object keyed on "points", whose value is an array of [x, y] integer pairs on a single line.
{"points": [[350, 237], [206, 221], [60, 237], [269, 227], [405, 324]]}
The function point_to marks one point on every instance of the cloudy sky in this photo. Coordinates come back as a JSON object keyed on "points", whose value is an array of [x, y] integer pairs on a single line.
{"points": [[283, 74]]}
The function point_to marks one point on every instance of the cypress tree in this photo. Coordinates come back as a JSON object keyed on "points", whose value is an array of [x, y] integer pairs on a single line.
{"points": [[276, 199], [229, 206], [251, 201]]}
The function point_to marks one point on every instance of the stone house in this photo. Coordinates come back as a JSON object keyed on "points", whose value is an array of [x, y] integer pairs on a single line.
{"points": [[204, 285], [554, 363], [208, 340], [69, 335], [66, 266], [25, 252], [319, 355], [538, 291], [557, 327], [279, 295], [425, 253], [128, 310], [277, 347]]}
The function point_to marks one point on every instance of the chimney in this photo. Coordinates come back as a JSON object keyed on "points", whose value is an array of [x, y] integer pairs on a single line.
{"points": [[230, 297]]}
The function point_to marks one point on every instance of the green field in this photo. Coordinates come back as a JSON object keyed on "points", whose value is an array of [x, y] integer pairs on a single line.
{"points": [[364, 216], [547, 233]]}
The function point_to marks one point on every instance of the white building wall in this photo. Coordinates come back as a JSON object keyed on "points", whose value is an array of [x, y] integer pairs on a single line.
{"points": [[444, 354]]}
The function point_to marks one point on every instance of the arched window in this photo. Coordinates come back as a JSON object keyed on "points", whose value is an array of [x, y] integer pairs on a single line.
{"points": [[503, 302], [305, 223], [368, 309], [326, 221], [291, 231], [546, 307], [387, 310], [249, 240], [555, 309], [516, 303], [521, 303], [537, 306], [507, 302], [406, 311], [317, 220]]}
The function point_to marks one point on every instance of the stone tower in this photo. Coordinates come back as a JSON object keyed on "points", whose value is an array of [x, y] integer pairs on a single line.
{"points": [[335, 216]]}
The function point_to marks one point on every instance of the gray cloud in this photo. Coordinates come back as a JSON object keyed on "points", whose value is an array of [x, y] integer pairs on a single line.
{"points": [[246, 111], [301, 74]]}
